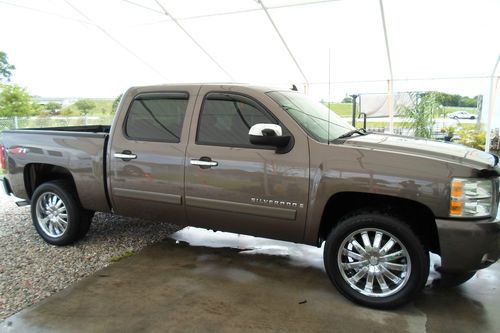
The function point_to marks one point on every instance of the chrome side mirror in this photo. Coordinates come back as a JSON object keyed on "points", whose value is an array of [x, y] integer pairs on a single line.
{"points": [[268, 135]]}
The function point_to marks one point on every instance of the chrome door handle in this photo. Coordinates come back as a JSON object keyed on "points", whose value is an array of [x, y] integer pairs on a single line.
{"points": [[125, 155], [204, 162]]}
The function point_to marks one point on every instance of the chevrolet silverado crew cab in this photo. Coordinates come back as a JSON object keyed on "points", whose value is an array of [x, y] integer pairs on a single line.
{"points": [[269, 163]]}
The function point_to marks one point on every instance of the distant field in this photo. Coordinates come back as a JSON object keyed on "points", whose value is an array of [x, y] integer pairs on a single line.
{"points": [[102, 106], [345, 109]]}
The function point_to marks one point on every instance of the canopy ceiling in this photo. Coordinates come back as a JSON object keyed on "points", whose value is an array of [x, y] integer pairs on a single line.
{"points": [[116, 43]]}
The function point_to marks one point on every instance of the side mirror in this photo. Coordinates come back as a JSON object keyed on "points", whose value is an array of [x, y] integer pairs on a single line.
{"points": [[268, 135]]}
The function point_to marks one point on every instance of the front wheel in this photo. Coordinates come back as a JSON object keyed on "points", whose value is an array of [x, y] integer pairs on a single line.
{"points": [[376, 260]]}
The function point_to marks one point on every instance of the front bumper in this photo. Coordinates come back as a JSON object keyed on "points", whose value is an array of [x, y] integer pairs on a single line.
{"points": [[6, 186], [468, 246]]}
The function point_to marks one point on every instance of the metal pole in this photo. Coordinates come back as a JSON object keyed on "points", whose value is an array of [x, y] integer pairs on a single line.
{"points": [[493, 95], [479, 108], [391, 75], [354, 109], [180, 26], [492, 105], [264, 8], [390, 98]]}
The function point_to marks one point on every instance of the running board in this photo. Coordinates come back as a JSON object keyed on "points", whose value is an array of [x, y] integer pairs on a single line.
{"points": [[22, 203]]}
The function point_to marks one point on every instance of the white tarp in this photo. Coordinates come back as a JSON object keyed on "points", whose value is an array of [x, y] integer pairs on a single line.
{"points": [[375, 105]]}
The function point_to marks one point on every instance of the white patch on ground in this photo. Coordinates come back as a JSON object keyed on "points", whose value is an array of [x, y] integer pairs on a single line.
{"points": [[299, 254], [435, 263]]}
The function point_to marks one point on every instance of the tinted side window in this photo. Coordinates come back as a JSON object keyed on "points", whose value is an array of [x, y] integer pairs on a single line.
{"points": [[226, 122], [156, 118]]}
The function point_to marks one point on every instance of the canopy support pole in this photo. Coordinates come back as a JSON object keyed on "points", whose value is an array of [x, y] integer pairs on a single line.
{"points": [[306, 81], [390, 92], [166, 13], [390, 104], [492, 104]]}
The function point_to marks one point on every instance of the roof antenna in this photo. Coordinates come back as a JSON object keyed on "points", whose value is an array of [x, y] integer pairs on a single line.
{"points": [[329, 91], [294, 87]]}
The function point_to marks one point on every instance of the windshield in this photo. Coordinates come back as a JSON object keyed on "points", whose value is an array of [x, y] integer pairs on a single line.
{"points": [[312, 116]]}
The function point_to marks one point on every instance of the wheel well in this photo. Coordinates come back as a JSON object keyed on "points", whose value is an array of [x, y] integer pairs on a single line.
{"points": [[37, 173], [419, 217]]}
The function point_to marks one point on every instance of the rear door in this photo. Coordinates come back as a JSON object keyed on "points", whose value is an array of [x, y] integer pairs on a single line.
{"points": [[146, 162], [240, 187]]}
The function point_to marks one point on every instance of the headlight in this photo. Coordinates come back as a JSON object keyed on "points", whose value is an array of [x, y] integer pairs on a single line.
{"points": [[471, 197]]}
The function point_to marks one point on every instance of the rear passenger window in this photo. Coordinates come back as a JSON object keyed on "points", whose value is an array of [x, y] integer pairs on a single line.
{"points": [[157, 117], [225, 120]]}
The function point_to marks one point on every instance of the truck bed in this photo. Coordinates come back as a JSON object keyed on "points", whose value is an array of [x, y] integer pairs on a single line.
{"points": [[81, 150]]}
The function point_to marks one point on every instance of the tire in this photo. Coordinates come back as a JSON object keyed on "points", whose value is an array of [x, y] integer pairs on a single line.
{"points": [[57, 214], [472, 117], [345, 262], [451, 280], [85, 222]]}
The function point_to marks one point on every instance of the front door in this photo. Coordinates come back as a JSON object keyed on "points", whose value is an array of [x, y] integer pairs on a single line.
{"points": [[235, 186]]}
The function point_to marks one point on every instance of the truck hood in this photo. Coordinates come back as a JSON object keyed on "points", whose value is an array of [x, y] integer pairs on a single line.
{"points": [[425, 148]]}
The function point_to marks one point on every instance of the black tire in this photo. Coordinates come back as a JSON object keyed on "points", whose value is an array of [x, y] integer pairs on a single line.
{"points": [[472, 117], [451, 280], [85, 222], [371, 222], [77, 219]]}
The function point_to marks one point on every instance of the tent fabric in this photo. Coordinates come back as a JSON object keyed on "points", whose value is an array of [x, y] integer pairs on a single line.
{"points": [[99, 48]]}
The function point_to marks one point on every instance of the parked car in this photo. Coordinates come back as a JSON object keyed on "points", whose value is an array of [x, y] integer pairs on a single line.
{"points": [[269, 163], [461, 115]]}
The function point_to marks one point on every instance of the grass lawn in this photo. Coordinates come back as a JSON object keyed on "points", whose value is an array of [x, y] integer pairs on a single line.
{"points": [[342, 109]]}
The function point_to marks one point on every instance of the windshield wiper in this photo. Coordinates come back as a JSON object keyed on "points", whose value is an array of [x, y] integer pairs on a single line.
{"points": [[360, 131]]}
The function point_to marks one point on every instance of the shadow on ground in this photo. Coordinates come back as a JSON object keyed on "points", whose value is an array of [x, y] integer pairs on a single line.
{"points": [[198, 281]]}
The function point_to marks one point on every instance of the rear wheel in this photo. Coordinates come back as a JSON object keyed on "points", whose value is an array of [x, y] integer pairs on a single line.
{"points": [[376, 260], [57, 214]]}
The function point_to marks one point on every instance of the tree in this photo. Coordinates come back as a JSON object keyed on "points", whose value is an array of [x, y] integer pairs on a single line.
{"points": [[53, 107], [5, 68], [116, 102], [84, 105], [347, 99], [15, 101], [420, 116], [453, 100]]}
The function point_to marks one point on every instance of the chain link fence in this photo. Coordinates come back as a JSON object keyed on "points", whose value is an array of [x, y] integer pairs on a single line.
{"points": [[55, 121]]}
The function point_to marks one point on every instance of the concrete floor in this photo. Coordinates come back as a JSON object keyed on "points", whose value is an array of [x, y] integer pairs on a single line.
{"points": [[227, 283]]}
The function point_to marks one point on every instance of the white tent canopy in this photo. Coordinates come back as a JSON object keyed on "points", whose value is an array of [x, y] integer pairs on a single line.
{"points": [[99, 48]]}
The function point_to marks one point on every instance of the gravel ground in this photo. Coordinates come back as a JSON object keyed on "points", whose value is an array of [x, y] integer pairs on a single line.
{"points": [[31, 269]]}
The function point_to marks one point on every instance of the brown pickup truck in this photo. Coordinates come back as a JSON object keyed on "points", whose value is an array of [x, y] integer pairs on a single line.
{"points": [[268, 163]]}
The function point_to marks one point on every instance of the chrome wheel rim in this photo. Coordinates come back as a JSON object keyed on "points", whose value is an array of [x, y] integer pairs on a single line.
{"points": [[51, 214], [374, 262]]}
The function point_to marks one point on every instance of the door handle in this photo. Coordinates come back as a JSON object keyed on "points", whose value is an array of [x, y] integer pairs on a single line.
{"points": [[125, 155], [204, 162]]}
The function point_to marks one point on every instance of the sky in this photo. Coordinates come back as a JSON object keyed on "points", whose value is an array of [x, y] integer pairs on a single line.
{"points": [[95, 48]]}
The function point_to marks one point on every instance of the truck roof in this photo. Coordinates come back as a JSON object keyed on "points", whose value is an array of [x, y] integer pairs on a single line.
{"points": [[215, 85]]}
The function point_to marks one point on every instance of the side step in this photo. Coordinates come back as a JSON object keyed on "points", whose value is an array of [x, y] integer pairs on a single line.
{"points": [[22, 203]]}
